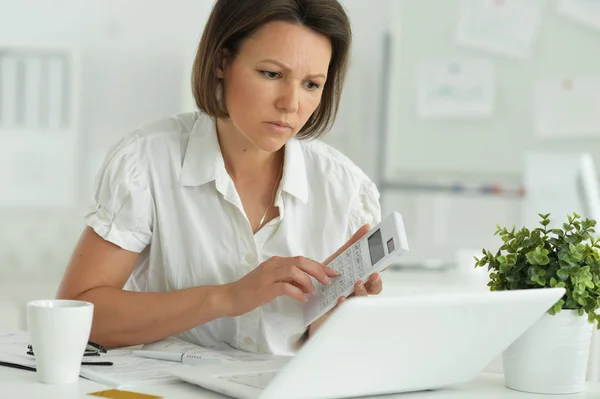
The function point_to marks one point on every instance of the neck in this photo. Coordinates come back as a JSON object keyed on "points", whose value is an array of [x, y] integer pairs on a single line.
{"points": [[242, 159]]}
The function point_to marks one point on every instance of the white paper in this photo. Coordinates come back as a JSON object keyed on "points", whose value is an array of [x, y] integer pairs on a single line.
{"points": [[126, 371], [506, 27], [567, 108], [130, 371], [461, 88], [586, 12], [192, 351], [15, 344]]}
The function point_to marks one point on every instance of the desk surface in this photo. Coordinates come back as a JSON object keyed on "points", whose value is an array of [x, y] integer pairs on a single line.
{"points": [[16, 384]]}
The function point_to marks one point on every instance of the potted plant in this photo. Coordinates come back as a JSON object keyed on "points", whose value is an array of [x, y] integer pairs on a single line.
{"points": [[552, 356]]}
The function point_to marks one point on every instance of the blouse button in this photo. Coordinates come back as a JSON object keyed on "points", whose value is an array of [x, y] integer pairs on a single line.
{"points": [[248, 341], [251, 258]]}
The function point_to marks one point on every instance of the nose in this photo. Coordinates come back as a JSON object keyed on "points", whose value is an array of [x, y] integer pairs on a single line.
{"points": [[288, 99]]}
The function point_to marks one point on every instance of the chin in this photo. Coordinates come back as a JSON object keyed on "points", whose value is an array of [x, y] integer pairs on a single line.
{"points": [[270, 143]]}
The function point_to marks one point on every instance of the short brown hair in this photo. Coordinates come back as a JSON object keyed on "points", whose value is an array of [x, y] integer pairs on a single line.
{"points": [[232, 21]]}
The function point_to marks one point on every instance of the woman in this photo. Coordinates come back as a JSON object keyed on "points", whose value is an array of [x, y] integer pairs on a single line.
{"points": [[211, 225]]}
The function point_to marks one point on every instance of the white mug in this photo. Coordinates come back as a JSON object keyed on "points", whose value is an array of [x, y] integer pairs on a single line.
{"points": [[59, 331]]}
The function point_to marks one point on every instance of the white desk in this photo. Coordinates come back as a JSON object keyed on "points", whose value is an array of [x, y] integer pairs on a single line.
{"points": [[22, 384], [16, 384]]}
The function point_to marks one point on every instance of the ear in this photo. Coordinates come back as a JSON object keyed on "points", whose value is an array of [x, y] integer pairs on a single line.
{"points": [[223, 61]]}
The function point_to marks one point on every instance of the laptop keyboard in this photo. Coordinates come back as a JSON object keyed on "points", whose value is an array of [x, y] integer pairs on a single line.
{"points": [[254, 380]]}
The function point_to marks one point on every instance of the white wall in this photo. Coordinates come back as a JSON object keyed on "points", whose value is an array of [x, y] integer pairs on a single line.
{"points": [[135, 61]]}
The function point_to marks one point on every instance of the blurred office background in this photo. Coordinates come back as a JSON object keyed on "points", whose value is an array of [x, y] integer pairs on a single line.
{"points": [[443, 101]]}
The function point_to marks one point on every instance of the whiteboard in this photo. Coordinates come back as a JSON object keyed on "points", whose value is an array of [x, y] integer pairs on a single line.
{"points": [[425, 31]]}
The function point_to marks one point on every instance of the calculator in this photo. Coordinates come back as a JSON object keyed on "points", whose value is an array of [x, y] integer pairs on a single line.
{"points": [[371, 254]]}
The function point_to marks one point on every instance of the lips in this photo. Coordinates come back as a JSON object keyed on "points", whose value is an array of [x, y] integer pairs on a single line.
{"points": [[281, 124]]}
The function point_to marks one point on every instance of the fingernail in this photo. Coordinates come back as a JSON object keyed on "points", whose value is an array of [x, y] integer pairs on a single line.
{"points": [[327, 281], [374, 277]]}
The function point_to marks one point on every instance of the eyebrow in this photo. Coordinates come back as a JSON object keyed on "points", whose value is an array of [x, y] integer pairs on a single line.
{"points": [[318, 75]]}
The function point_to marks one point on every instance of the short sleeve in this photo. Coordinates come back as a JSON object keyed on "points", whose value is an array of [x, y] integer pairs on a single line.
{"points": [[366, 208], [122, 208]]}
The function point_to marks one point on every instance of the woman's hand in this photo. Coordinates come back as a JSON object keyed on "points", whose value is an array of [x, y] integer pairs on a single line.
{"points": [[276, 277], [373, 285]]}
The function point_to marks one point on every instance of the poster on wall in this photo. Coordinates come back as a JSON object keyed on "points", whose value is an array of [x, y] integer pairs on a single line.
{"points": [[566, 108], [586, 12], [504, 27], [456, 88]]}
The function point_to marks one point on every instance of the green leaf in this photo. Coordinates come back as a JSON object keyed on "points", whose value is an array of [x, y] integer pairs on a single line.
{"points": [[540, 272], [558, 232], [563, 274], [531, 258], [570, 239]]}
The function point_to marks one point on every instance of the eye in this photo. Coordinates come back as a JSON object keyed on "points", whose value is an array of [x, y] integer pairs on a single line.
{"points": [[312, 85], [270, 74]]}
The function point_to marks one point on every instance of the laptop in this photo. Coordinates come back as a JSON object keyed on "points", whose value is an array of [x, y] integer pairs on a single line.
{"points": [[372, 346]]}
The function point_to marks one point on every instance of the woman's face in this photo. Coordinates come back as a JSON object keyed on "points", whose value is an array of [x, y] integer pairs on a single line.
{"points": [[275, 83]]}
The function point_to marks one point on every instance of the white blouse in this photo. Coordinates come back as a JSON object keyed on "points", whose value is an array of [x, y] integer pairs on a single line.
{"points": [[163, 191]]}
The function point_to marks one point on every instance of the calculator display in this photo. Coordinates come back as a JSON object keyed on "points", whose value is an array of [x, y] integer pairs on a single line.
{"points": [[376, 250]]}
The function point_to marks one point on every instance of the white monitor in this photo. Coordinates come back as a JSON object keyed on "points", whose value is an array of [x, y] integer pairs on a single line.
{"points": [[560, 184]]}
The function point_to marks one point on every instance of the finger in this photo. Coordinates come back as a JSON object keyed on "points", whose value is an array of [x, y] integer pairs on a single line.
{"points": [[330, 271], [359, 289], [312, 268], [375, 284], [340, 300], [289, 290], [292, 274], [364, 229]]}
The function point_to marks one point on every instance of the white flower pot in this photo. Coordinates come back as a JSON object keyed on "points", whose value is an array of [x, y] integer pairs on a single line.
{"points": [[551, 357]]}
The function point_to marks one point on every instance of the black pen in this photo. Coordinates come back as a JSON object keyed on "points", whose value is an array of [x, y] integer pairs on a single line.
{"points": [[31, 368], [97, 363], [17, 366]]}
